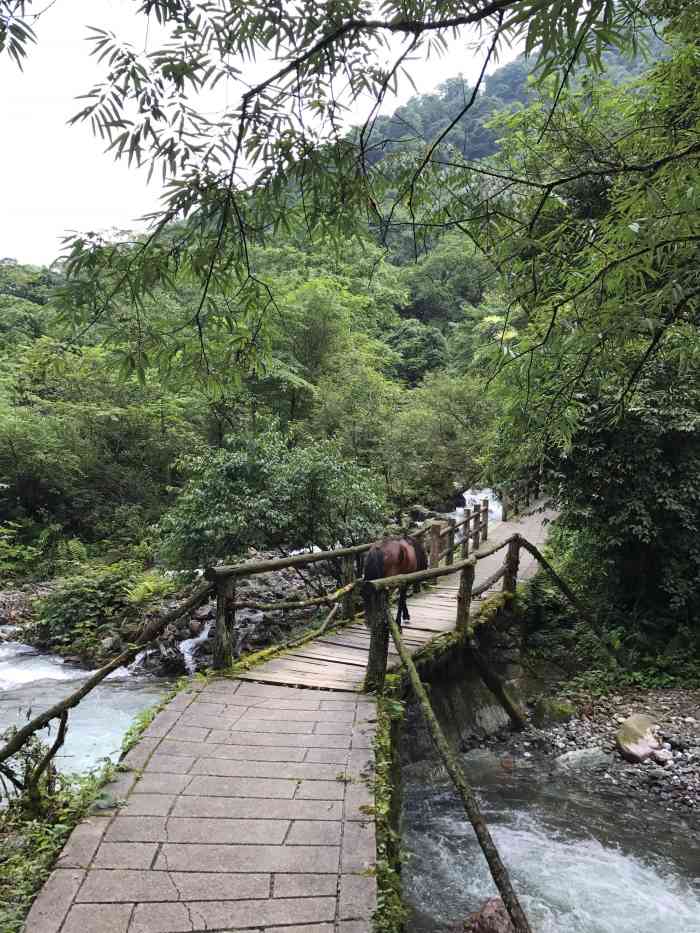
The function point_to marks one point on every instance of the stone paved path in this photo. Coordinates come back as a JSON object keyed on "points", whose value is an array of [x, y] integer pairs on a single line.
{"points": [[245, 804], [248, 815]]}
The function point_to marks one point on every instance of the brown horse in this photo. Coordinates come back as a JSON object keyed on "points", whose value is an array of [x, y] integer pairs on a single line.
{"points": [[388, 558]]}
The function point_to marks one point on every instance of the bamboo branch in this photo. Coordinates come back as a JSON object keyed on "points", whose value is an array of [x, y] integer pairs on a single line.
{"points": [[471, 806], [569, 594]]}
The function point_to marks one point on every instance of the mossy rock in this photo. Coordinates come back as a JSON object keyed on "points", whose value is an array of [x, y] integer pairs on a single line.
{"points": [[547, 712]]}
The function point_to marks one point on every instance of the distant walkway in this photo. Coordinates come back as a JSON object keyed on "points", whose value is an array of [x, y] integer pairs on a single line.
{"points": [[337, 661], [247, 807]]}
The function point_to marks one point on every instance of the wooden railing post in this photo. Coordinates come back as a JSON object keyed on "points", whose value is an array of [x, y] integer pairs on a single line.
{"points": [[505, 505], [484, 519], [476, 529], [348, 577], [450, 557], [377, 619], [435, 544], [225, 621], [464, 597], [510, 578], [466, 532]]}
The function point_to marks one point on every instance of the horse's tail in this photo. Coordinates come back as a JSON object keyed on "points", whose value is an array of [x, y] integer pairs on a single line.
{"points": [[421, 556], [374, 564], [374, 570]]}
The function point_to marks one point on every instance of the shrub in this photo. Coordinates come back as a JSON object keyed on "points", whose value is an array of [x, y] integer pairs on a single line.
{"points": [[263, 493]]}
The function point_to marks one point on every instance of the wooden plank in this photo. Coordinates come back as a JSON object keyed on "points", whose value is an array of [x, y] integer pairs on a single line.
{"points": [[291, 681]]}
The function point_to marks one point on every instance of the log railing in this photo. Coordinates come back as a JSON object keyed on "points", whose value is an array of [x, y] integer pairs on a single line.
{"points": [[221, 582]]}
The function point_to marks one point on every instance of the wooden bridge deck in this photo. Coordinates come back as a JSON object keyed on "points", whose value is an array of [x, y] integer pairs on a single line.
{"points": [[245, 806], [337, 661]]}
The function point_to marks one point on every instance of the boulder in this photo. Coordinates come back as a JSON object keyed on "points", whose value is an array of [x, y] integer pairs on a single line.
{"points": [[583, 759], [492, 918], [635, 738], [548, 711]]}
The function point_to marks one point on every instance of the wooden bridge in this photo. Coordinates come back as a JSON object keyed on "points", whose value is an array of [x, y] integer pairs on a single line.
{"points": [[247, 804]]}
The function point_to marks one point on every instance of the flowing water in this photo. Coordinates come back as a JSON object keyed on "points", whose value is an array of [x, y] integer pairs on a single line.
{"points": [[581, 862], [31, 682]]}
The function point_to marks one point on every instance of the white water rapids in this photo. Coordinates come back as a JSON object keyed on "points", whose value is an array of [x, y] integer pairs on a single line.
{"points": [[31, 682], [581, 863]]}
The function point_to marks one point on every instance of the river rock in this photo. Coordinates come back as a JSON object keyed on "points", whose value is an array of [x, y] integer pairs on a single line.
{"points": [[581, 759], [662, 756], [492, 918], [548, 712], [635, 738]]}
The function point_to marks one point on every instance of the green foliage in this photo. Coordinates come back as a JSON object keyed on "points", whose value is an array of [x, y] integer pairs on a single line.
{"points": [[390, 914], [262, 492], [30, 842], [102, 601]]}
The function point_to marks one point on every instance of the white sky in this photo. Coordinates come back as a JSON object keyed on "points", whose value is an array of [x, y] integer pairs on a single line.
{"points": [[57, 179]]}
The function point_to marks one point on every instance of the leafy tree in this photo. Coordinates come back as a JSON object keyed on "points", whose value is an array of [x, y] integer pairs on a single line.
{"points": [[261, 492], [446, 278], [287, 132]]}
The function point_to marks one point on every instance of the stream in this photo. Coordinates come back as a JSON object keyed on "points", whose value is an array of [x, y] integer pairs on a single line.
{"points": [[582, 862], [31, 682]]}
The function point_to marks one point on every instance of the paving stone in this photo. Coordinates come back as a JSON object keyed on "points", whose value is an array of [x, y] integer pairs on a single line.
{"points": [[203, 915], [119, 789], [333, 728], [120, 885], [314, 928], [54, 900], [357, 797], [362, 738], [249, 724], [191, 829], [187, 734], [302, 715], [338, 704], [223, 886], [305, 885], [162, 783], [293, 771], [83, 842], [359, 847], [170, 764], [148, 805], [140, 753], [320, 790], [109, 918], [336, 756], [182, 700], [358, 896], [200, 721], [162, 724], [137, 829], [246, 858], [266, 809], [361, 761], [238, 752], [354, 926], [273, 703], [125, 855], [279, 740], [314, 833], [206, 786]]}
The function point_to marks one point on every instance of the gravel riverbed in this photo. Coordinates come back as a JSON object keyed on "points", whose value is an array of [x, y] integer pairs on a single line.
{"points": [[584, 747]]}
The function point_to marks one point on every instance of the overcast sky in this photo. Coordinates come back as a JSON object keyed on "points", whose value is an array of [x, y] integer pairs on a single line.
{"points": [[57, 179]]}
